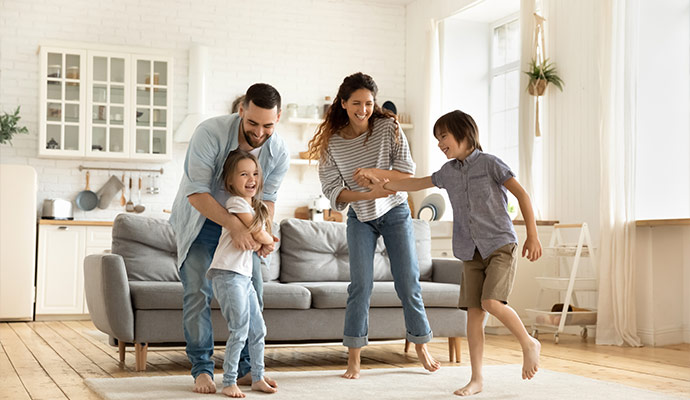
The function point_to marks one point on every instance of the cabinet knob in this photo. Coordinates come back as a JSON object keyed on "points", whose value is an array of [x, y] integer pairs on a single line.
{"points": [[63, 228]]}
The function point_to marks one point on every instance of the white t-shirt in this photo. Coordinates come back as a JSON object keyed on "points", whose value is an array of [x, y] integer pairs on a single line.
{"points": [[227, 256]]}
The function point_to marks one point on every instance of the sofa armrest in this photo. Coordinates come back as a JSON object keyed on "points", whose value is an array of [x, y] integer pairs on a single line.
{"points": [[446, 270], [108, 297]]}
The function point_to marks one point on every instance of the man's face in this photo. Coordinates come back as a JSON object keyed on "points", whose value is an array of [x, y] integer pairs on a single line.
{"points": [[258, 123]]}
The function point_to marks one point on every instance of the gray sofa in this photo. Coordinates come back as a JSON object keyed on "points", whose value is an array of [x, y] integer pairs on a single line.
{"points": [[135, 295]]}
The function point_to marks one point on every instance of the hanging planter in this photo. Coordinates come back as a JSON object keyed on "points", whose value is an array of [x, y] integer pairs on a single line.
{"points": [[541, 74], [537, 87]]}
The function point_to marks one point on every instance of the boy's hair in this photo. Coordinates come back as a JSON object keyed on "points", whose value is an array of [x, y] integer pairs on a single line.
{"points": [[261, 216], [336, 117], [262, 95], [461, 126]]}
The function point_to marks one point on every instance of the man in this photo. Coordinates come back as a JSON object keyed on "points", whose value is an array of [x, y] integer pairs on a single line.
{"points": [[198, 214]]}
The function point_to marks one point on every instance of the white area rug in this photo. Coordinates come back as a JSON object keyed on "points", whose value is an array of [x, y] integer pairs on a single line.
{"points": [[500, 382]]}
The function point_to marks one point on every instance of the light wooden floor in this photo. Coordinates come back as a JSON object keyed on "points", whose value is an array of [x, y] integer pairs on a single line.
{"points": [[49, 360]]}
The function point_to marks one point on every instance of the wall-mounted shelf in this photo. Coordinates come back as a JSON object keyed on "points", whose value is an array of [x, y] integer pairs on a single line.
{"points": [[316, 121]]}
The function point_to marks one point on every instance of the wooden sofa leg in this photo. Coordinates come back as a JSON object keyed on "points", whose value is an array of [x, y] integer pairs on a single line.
{"points": [[140, 356], [407, 346], [454, 349], [121, 350]]}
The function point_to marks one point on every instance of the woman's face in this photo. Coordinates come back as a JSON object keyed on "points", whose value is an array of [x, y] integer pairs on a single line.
{"points": [[359, 107]]}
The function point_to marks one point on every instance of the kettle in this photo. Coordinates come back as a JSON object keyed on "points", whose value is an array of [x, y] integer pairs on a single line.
{"points": [[57, 209]]}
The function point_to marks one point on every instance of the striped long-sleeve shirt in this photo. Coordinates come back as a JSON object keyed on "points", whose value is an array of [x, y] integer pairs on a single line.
{"points": [[380, 151]]}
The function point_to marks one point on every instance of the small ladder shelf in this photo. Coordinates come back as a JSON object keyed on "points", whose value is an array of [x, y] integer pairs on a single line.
{"points": [[568, 313]]}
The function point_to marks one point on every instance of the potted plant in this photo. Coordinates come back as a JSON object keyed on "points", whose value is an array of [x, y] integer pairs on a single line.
{"points": [[9, 128], [540, 75]]}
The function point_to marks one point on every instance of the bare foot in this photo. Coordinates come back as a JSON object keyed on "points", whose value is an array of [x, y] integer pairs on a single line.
{"points": [[471, 388], [204, 384], [429, 363], [530, 359], [263, 386], [353, 364], [233, 391], [247, 380]]}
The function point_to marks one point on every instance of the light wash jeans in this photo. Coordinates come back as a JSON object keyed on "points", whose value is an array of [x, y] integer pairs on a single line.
{"points": [[240, 307], [196, 303], [398, 235]]}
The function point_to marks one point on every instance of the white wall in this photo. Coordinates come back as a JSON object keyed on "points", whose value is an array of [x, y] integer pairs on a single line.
{"points": [[663, 284], [302, 47], [663, 101]]}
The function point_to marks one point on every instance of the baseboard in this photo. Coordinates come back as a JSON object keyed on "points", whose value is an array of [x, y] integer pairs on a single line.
{"points": [[664, 337]]}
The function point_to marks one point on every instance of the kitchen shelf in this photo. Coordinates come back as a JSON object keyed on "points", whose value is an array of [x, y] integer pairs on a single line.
{"points": [[316, 121]]}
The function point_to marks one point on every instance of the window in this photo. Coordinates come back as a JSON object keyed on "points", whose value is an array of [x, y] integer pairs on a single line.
{"points": [[504, 93]]}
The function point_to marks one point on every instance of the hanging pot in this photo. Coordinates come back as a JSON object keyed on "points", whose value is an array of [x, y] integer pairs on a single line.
{"points": [[536, 87]]}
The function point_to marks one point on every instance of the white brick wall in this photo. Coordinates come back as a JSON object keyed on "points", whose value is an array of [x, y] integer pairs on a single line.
{"points": [[302, 47]]}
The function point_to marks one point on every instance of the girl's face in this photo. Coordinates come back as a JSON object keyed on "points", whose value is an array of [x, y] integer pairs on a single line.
{"points": [[359, 107], [245, 178], [451, 147]]}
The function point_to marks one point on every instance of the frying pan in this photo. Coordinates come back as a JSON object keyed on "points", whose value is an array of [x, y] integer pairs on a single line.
{"points": [[86, 199]]}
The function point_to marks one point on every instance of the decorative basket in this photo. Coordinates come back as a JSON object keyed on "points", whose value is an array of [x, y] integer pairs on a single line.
{"points": [[536, 87]]}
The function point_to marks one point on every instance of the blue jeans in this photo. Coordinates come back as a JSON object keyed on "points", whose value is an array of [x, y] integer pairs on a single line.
{"points": [[240, 307], [196, 303], [398, 235]]}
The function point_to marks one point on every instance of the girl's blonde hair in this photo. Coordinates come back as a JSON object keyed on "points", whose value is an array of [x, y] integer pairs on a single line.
{"points": [[261, 216], [336, 117]]}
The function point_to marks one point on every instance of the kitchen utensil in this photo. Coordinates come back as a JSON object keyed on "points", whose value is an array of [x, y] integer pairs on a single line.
{"points": [[57, 209], [107, 193], [123, 201], [139, 208], [129, 207], [86, 199]]}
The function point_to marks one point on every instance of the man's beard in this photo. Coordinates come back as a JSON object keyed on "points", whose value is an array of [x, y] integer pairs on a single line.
{"points": [[250, 140]]}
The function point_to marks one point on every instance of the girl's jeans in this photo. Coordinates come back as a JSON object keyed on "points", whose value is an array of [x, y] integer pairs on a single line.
{"points": [[240, 307]]}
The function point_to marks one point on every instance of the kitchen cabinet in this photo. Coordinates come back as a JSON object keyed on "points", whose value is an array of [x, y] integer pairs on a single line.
{"points": [[104, 104], [62, 248]]}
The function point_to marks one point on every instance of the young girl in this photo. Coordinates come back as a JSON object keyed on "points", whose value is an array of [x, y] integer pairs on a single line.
{"points": [[357, 134], [483, 235], [231, 272]]}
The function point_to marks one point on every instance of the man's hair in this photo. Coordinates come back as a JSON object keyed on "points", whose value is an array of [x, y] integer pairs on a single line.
{"points": [[262, 95]]}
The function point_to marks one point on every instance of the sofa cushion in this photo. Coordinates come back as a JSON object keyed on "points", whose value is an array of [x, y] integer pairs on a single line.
{"points": [[334, 294], [147, 246], [168, 296], [270, 266], [286, 296], [317, 252]]}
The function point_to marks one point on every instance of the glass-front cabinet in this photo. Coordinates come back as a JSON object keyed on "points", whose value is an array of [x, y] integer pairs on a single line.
{"points": [[62, 91], [105, 105]]}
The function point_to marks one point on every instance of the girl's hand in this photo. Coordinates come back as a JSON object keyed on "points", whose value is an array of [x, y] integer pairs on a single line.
{"points": [[377, 190], [532, 248], [365, 177]]}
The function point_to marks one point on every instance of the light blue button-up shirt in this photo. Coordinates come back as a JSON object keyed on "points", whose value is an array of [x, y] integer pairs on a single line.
{"points": [[480, 203], [213, 139]]}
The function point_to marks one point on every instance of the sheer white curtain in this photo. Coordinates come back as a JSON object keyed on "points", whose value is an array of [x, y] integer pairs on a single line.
{"points": [[432, 93], [527, 116], [616, 321]]}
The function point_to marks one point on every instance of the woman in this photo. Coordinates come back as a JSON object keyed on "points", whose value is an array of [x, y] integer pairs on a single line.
{"points": [[356, 145]]}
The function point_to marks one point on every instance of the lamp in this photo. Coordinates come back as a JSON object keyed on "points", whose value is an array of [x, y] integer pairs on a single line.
{"points": [[432, 207]]}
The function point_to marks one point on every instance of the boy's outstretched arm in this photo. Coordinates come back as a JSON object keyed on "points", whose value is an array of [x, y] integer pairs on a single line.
{"points": [[409, 184], [532, 245]]}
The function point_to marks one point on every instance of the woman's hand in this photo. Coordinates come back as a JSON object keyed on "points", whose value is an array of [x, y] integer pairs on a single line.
{"points": [[365, 177], [532, 248], [377, 190]]}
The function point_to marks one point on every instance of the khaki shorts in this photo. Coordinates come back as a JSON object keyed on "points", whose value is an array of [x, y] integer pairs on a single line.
{"points": [[488, 279]]}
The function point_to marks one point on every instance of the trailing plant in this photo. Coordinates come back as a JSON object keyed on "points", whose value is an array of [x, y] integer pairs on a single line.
{"points": [[545, 71], [9, 128]]}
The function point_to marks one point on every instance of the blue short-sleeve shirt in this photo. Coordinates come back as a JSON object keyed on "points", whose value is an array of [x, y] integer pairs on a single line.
{"points": [[480, 203], [210, 145]]}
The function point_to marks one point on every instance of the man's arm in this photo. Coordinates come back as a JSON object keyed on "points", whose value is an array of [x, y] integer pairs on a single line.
{"points": [[211, 209]]}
